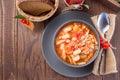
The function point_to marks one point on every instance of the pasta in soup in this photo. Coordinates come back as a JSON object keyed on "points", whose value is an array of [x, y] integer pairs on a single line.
{"points": [[76, 43]]}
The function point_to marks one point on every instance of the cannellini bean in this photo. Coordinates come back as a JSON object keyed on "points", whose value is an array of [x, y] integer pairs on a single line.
{"points": [[86, 34], [90, 35], [83, 37], [76, 58], [92, 46], [88, 42], [74, 39], [96, 41], [76, 52], [93, 40], [67, 29], [81, 63], [67, 41], [62, 46], [65, 36], [63, 55], [83, 26], [75, 25], [83, 42], [85, 50], [59, 42]]}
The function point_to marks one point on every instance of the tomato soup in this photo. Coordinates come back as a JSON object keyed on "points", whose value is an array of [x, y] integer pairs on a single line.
{"points": [[76, 43]]}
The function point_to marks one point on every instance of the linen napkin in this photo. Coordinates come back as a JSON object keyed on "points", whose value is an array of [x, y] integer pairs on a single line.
{"points": [[105, 62]]}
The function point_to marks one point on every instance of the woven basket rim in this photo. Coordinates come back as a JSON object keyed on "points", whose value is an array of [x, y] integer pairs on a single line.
{"points": [[38, 18]]}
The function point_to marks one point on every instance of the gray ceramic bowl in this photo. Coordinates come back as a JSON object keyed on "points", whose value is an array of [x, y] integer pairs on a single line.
{"points": [[47, 44], [96, 35]]}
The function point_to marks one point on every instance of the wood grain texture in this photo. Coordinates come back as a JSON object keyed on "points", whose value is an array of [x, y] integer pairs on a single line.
{"points": [[112, 4], [116, 42], [1, 21], [8, 37], [31, 63], [20, 49]]}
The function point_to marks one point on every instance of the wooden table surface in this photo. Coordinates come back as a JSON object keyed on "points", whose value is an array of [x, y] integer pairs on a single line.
{"points": [[20, 51]]}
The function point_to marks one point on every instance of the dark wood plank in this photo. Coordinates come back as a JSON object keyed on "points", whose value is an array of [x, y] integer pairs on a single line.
{"points": [[116, 41], [31, 63], [96, 7], [1, 21], [113, 4], [8, 36]]}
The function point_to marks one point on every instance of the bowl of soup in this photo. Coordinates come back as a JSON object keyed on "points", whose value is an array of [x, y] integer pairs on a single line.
{"points": [[76, 44]]}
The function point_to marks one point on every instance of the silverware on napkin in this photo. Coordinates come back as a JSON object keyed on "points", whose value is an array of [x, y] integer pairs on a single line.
{"points": [[107, 65], [103, 25]]}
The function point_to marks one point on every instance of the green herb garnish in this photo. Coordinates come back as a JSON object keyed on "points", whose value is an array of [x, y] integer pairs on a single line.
{"points": [[19, 16]]}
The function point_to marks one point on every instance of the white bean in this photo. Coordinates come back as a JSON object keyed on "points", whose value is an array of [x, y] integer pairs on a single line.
{"points": [[81, 63], [63, 51], [59, 42], [74, 39], [65, 36], [67, 41], [67, 29], [62, 46], [76, 58], [76, 52], [92, 46]]}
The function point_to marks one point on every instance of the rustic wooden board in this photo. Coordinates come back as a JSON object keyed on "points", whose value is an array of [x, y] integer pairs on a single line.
{"points": [[20, 51], [8, 40], [1, 40], [31, 63], [112, 4]]}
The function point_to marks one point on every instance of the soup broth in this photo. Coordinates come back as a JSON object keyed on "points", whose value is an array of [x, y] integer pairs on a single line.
{"points": [[76, 43]]}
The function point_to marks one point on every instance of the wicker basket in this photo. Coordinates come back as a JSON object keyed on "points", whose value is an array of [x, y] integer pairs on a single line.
{"points": [[37, 18]]}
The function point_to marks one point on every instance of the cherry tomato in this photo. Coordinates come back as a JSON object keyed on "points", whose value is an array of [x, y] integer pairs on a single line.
{"points": [[23, 21], [105, 44], [72, 47], [27, 23], [78, 35]]}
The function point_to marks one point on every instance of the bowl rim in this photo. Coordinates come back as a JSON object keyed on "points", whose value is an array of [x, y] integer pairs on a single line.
{"points": [[96, 35]]}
